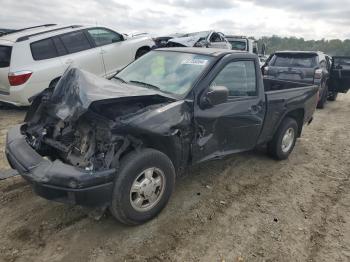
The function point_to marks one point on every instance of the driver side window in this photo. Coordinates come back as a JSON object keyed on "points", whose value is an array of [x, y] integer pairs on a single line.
{"points": [[103, 36], [239, 77]]}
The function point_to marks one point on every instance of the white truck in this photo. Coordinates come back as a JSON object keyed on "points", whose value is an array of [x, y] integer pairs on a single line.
{"points": [[242, 43]]}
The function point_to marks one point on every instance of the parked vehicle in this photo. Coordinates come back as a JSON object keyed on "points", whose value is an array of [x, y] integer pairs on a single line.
{"points": [[209, 39], [121, 143], [32, 59], [304, 66], [162, 41], [242, 43], [340, 76]]}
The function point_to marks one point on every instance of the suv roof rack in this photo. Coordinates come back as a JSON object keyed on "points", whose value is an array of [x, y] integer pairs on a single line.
{"points": [[25, 28], [26, 37]]}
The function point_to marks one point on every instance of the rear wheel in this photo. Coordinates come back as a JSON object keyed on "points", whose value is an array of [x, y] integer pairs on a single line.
{"points": [[323, 98], [142, 186], [284, 140]]}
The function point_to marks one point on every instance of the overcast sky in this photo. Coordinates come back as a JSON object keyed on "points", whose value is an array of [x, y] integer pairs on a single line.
{"points": [[311, 19]]}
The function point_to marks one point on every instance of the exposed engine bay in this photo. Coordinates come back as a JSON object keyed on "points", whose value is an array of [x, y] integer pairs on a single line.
{"points": [[87, 143], [91, 128], [90, 142]]}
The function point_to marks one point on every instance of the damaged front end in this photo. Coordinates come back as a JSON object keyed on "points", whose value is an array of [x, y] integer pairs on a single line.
{"points": [[75, 135], [80, 122]]}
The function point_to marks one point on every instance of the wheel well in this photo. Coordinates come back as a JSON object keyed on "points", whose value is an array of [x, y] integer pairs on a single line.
{"points": [[298, 115], [54, 81], [143, 48]]}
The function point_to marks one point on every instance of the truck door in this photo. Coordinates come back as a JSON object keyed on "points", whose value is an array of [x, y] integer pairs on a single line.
{"points": [[340, 74], [235, 125]]}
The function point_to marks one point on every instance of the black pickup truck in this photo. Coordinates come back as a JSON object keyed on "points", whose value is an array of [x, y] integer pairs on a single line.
{"points": [[120, 143]]}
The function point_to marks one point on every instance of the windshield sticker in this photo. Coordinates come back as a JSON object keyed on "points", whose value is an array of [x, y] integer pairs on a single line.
{"points": [[200, 62]]}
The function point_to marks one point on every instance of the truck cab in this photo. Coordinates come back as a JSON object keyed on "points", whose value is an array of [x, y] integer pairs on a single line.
{"points": [[242, 43]]}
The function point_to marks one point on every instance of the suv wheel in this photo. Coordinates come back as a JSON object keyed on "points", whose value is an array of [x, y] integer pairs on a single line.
{"points": [[142, 186], [284, 139], [323, 99]]}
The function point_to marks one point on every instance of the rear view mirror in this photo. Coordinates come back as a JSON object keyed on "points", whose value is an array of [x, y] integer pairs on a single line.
{"points": [[216, 95]]}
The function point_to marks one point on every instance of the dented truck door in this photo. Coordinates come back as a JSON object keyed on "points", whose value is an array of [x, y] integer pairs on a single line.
{"points": [[234, 125], [340, 74]]}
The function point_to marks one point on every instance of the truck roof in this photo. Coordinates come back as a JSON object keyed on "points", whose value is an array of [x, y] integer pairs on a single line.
{"points": [[205, 51]]}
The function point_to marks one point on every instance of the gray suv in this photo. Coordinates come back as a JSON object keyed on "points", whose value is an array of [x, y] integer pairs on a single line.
{"points": [[309, 67]]}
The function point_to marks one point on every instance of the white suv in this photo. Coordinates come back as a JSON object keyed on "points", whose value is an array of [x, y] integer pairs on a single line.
{"points": [[33, 59]]}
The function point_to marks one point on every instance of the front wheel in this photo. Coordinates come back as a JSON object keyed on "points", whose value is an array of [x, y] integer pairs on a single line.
{"points": [[142, 186], [284, 139]]}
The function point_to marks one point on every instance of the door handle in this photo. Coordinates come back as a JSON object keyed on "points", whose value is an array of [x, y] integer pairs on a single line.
{"points": [[255, 109], [102, 52]]}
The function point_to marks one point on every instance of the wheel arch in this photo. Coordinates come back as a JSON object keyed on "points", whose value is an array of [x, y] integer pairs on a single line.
{"points": [[54, 81], [142, 48], [298, 116]]}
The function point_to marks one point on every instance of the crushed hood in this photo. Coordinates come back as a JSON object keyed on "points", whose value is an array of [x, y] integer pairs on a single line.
{"points": [[77, 90], [188, 41]]}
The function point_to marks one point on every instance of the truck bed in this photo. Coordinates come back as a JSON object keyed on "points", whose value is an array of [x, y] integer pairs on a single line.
{"points": [[275, 84], [282, 97]]}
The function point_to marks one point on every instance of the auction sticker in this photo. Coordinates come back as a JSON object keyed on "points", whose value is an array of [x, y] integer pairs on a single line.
{"points": [[200, 62]]}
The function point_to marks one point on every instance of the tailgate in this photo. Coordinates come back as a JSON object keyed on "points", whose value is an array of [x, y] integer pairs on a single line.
{"points": [[5, 57], [298, 67], [305, 75]]}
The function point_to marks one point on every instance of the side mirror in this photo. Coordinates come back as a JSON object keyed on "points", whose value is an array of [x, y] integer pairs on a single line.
{"points": [[216, 95]]}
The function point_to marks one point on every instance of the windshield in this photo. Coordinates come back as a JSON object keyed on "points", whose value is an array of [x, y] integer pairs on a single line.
{"points": [[169, 72], [295, 60], [240, 45]]}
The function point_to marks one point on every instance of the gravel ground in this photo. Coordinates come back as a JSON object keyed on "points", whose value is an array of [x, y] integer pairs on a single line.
{"points": [[247, 207]]}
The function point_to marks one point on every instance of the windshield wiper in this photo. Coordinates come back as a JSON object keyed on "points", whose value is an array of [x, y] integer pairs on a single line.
{"points": [[145, 84], [120, 79]]}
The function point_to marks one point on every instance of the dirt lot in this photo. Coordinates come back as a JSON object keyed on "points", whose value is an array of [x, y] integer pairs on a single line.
{"points": [[244, 208]]}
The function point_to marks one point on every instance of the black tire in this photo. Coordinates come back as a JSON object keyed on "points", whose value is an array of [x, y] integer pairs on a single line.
{"points": [[275, 145], [332, 96], [130, 167], [142, 51], [324, 97]]}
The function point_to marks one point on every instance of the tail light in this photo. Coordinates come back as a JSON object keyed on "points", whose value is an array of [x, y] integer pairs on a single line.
{"points": [[318, 74], [19, 78], [265, 70]]}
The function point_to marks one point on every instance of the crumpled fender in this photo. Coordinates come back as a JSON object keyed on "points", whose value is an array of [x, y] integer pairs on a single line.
{"points": [[186, 41]]}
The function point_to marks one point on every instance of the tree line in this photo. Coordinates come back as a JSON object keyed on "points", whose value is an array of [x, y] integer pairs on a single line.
{"points": [[332, 47]]}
